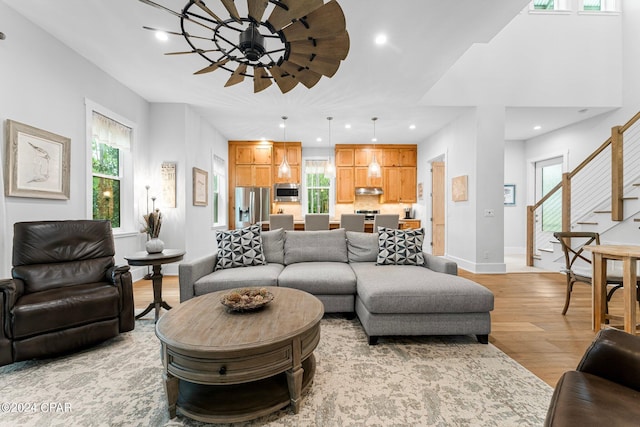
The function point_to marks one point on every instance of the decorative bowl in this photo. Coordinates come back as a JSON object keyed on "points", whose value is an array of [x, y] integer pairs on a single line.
{"points": [[246, 299]]}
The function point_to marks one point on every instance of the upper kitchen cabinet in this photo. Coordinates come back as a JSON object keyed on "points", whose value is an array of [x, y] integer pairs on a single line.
{"points": [[399, 156], [364, 155], [253, 154], [344, 157], [294, 158], [345, 186]]}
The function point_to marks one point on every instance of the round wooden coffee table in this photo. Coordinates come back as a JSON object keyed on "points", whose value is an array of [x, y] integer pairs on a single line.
{"points": [[222, 366]]}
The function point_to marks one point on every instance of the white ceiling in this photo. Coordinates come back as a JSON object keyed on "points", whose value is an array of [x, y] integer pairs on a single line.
{"points": [[425, 37]]}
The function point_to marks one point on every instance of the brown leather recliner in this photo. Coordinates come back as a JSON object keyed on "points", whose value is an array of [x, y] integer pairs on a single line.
{"points": [[66, 292], [605, 388]]}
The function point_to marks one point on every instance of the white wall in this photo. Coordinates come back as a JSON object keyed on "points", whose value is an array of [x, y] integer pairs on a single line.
{"points": [[515, 217], [44, 84]]}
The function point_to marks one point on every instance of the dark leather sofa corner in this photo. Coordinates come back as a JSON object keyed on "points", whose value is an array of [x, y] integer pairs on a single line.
{"points": [[604, 390]]}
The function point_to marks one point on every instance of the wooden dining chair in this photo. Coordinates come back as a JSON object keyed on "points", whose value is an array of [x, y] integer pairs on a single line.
{"points": [[578, 268], [313, 222], [352, 222]]}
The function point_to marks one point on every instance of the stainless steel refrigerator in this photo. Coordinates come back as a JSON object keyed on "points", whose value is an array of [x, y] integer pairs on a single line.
{"points": [[252, 205]]}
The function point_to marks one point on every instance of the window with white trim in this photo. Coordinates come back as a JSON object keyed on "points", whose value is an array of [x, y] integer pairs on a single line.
{"points": [[318, 187], [550, 5], [110, 160], [219, 205], [599, 5]]}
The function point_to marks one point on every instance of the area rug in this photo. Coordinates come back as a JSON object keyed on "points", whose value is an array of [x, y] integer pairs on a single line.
{"points": [[425, 381]]}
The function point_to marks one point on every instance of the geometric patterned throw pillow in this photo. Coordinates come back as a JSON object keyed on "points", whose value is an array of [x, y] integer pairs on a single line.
{"points": [[239, 248], [400, 247]]}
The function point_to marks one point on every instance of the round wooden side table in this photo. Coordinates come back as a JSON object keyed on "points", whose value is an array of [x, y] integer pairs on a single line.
{"points": [[156, 260]]}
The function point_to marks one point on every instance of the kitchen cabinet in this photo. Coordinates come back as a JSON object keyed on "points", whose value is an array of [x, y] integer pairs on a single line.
{"points": [[253, 176], [345, 185], [253, 155], [294, 158], [399, 185], [409, 223], [364, 156], [408, 156], [344, 157], [362, 178]]}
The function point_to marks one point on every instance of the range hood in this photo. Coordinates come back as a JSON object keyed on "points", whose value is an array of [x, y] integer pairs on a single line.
{"points": [[368, 191]]}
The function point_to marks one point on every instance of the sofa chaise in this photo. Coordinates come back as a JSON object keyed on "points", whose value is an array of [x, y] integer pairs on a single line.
{"points": [[341, 268]]}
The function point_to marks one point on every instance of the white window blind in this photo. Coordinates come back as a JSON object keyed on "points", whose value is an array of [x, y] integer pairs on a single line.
{"points": [[109, 132]]}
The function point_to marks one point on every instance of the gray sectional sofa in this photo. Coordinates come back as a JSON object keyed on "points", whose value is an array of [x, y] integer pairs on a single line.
{"points": [[340, 269]]}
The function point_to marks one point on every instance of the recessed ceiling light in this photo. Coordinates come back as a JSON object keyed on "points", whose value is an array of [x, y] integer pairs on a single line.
{"points": [[162, 36], [281, 125], [347, 126], [537, 127], [318, 139], [412, 127], [381, 39]]}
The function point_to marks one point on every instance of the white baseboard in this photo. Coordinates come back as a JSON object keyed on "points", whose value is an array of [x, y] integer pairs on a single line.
{"points": [[476, 267]]}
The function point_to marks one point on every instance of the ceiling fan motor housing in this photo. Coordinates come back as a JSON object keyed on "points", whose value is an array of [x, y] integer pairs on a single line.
{"points": [[252, 43]]}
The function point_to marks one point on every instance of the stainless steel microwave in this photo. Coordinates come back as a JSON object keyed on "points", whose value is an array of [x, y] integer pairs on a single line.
{"points": [[286, 192]]}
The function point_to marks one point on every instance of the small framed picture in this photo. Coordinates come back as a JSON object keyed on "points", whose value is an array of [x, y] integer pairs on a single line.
{"points": [[200, 187], [38, 163], [509, 195]]}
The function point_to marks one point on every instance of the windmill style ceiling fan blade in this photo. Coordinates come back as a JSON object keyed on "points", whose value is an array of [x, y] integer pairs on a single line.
{"points": [[178, 14], [214, 66], [283, 79], [192, 51], [330, 48], [257, 8], [324, 22], [261, 79], [237, 76], [231, 8], [176, 33], [281, 17], [202, 6], [306, 77], [327, 67]]}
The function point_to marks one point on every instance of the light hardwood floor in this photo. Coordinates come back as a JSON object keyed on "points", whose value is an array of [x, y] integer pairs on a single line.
{"points": [[527, 323]]}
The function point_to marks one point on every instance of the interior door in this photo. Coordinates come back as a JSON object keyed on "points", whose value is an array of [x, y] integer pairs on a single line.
{"points": [[437, 208], [548, 174]]}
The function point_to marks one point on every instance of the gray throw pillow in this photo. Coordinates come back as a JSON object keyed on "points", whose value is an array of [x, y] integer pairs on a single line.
{"points": [[362, 247], [315, 246], [273, 245], [239, 248], [400, 247]]}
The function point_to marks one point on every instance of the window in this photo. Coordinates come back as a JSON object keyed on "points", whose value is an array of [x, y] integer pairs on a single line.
{"points": [[550, 5], [318, 187], [219, 192], [599, 5], [110, 142]]}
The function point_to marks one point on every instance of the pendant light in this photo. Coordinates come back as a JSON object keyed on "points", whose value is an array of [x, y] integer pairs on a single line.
{"points": [[330, 169], [374, 170], [284, 170]]}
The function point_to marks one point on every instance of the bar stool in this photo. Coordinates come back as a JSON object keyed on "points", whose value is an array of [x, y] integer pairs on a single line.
{"points": [[316, 222], [284, 221], [352, 222]]}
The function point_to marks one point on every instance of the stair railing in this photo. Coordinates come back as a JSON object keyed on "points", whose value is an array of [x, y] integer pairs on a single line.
{"points": [[601, 176]]}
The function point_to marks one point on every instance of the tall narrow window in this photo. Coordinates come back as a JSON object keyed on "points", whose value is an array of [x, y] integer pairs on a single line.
{"points": [[318, 186], [109, 139], [219, 192]]}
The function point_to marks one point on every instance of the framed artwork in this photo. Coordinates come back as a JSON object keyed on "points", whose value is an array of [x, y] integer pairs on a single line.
{"points": [[459, 188], [509, 195], [168, 176], [420, 191], [38, 163], [200, 187]]}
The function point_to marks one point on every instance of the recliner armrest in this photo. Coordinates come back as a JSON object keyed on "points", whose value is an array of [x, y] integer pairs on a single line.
{"points": [[189, 272], [440, 265], [615, 356], [12, 289], [116, 270]]}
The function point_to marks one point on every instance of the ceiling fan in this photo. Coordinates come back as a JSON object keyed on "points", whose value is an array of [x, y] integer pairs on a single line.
{"points": [[299, 42]]}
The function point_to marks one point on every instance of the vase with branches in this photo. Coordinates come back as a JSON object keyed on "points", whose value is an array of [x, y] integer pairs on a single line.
{"points": [[152, 226]]}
